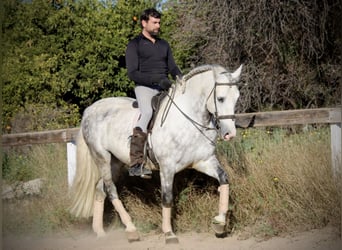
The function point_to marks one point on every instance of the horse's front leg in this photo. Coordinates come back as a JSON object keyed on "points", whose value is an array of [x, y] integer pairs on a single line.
{"points": [[167, 200], [219, 221], [213, 168]]}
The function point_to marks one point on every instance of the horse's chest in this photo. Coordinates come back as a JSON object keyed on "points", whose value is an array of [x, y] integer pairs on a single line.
{"points": [[182, 145]]}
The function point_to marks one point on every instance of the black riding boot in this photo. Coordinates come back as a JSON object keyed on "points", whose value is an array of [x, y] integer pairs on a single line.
{"points": [[137, 154]]}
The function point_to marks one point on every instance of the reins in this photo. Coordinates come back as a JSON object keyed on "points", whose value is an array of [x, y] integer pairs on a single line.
{"points": [[196, 124]]}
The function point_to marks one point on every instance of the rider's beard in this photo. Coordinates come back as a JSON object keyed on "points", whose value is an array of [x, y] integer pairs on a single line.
{"points": [[154, 32]]}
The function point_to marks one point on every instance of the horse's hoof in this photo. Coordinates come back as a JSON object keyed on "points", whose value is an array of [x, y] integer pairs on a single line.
{"points": [[221, 235], [101, 234], [219, 228], [132, 236], [171, 238]]}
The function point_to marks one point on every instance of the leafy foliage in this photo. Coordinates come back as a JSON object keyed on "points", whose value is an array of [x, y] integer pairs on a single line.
{"points": [[70, 54]]}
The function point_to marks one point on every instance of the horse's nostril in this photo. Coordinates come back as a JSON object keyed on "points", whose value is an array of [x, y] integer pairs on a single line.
{"points": [[228, 136]]}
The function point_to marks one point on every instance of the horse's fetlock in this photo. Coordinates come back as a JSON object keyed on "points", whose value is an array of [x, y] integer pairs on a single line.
{"points": [[221, 218], [130, 227]]}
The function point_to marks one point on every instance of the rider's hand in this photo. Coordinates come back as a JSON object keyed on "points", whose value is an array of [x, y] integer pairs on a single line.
{"points": [[165, 83]]}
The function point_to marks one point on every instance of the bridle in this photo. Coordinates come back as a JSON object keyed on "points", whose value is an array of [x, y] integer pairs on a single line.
{"points": [[214, 116]]}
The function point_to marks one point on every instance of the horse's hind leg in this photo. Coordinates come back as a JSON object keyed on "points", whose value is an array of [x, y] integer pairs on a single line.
{"points": [[100, 196], [111, 191], [131, 231]]}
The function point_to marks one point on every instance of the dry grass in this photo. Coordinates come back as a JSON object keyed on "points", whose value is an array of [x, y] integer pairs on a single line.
{"points": [[48, 211], [280, 182], [288, 182]]}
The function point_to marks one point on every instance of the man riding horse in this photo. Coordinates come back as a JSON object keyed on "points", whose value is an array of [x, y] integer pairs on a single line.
{"points": [[149, 60]]}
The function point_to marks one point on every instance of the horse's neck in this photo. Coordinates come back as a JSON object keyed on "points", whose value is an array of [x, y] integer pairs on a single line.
{"points": [[193, 100]]}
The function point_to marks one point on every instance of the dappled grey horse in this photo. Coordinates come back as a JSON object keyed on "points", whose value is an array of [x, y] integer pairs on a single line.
{"points": [[198, 108]]}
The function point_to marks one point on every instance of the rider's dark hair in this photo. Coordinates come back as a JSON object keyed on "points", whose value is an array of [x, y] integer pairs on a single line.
{"points": [[151, 12]]}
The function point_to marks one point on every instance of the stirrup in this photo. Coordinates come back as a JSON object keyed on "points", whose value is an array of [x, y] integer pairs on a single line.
{"points": [[140, 170]]}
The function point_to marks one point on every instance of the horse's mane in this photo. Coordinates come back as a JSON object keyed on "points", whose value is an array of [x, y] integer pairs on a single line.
{"points": [[196, 71], [215, 68]]}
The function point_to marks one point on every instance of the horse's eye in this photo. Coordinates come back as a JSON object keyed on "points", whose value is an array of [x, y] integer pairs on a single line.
{"points": [[220, 99]]}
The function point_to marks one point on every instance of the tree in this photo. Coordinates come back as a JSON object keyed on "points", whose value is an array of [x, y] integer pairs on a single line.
{"points": [[63, 56], [289, 47]]}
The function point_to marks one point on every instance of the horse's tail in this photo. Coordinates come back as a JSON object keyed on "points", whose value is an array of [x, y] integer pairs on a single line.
{"points": [[86, 178]]}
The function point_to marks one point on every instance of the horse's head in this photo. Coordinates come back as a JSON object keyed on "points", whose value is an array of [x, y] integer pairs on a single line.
{"points": [[222, 100]]}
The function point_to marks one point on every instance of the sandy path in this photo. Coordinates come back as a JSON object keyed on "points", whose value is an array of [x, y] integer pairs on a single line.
{"points": [[323, 239]]}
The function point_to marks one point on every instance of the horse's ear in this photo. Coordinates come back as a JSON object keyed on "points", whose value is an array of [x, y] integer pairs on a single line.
{"points": [[236, 74]]}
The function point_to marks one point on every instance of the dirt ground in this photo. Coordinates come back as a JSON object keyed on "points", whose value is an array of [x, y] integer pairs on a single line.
{"points": [[323, 239]]}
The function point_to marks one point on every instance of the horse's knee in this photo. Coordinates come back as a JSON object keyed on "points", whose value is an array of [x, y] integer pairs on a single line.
{"points": [[222, 176], [167, 199]]}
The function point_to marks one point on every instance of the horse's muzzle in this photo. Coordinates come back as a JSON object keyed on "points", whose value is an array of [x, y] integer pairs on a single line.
{"points": [[229, 136]]}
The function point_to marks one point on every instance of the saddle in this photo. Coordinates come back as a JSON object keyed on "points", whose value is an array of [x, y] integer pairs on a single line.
{"points": [[155, 103]]}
